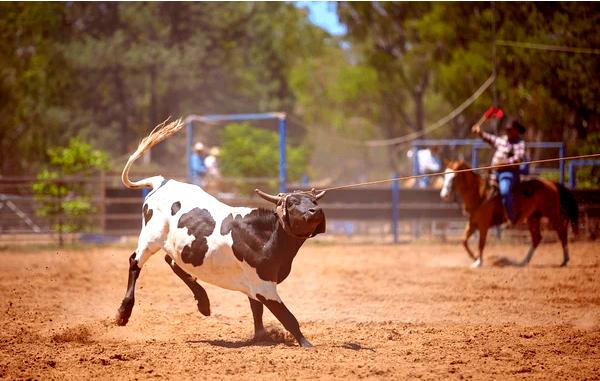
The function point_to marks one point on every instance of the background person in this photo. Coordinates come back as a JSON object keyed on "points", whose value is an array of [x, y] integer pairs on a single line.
{"points": [[428, 162], [197, 164], [213, 174], [211, 162]]}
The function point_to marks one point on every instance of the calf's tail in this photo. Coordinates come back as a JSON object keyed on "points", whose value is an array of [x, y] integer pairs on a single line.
{"points": [[160, 133], [568, 206]]}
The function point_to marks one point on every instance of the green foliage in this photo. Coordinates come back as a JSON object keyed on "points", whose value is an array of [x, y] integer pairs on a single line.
{"points": [[110, 71], [253, 152], [589, 176], [61, 189]]}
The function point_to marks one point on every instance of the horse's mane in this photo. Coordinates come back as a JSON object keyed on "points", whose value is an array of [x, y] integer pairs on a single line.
{"points": [[458, 165]]}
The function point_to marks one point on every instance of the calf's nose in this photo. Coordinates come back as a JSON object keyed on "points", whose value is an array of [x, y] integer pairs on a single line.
{"points": [[312, 213]]}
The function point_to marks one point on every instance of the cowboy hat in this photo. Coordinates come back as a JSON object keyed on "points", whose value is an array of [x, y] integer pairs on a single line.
{"points": [[514, 123]]}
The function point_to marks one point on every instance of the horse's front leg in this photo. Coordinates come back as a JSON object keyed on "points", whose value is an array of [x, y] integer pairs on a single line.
{"points": [[469, 230], [482, 238]]}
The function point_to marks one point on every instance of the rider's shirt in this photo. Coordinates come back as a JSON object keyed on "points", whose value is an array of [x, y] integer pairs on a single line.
{"points": [[507, 151]]}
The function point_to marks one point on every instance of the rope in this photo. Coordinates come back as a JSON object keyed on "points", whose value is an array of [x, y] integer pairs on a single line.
{"points": [[439, 123], [459, 171], [555, 48]]}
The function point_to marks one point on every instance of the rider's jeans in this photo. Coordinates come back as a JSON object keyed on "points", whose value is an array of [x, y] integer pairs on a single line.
{"points": [[506, 182]]}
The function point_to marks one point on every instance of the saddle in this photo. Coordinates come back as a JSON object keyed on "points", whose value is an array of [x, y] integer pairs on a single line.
{"points": [[522, 188]]}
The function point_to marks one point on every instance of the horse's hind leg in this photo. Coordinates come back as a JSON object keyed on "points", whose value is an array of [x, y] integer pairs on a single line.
{"points": [[562, 229], [536, 237]]}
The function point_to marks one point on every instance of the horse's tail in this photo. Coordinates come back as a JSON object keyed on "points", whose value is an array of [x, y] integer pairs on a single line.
{"points": [[160, 132], [568, 206]]}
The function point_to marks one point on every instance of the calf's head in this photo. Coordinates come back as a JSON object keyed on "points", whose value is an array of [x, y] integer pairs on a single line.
{"points": [[298, 212]]}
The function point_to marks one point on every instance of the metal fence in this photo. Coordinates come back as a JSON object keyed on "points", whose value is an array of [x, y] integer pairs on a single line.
{"points": [[382, 214]]}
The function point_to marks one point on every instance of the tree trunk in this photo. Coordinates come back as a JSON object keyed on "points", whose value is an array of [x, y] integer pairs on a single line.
{"points": [[122, 100], [418, 98]]}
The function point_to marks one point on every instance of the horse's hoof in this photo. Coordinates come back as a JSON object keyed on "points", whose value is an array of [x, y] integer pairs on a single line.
{"points": [[477, 264], [564, 264]]}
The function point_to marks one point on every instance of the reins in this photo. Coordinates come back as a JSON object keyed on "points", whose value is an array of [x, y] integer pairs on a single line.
{"points": [[457, 171]]}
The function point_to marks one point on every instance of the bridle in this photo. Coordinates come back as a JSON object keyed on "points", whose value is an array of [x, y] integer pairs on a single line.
{"points": [[283, 215], [281, 200]]}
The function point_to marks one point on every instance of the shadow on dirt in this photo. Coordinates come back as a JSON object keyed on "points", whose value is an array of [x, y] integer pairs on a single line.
{"points": [[355, 347], [508, 262], [272, 336]]}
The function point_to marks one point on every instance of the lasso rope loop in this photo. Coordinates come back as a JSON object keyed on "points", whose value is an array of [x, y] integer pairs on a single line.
{"points": [[459, 171]]}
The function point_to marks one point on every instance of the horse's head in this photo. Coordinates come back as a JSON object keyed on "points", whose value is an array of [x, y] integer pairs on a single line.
{"points": [[453, 181]]}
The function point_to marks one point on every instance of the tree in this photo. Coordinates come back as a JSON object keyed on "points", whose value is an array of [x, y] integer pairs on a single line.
{"points": [[32, 82], [253, 152], [110, 71], [393, 40], [61, 188]]}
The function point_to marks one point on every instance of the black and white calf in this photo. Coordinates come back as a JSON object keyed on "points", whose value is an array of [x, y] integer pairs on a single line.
{"points": [[237, 248]]}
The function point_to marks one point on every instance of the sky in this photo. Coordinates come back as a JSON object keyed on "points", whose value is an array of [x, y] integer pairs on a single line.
{"points": [[323, 14]]}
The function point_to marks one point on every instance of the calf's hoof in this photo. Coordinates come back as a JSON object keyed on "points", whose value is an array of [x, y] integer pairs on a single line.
{"points": [[122, 317], [260, 336], [204, 307], [305, 343]]}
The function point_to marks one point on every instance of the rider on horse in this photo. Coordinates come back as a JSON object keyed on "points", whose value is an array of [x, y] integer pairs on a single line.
{"points": [[510, 149]]}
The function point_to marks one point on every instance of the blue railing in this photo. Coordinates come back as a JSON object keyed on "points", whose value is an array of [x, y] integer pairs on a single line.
{"points": [[573, 164], [236, 117], [476, 145]]}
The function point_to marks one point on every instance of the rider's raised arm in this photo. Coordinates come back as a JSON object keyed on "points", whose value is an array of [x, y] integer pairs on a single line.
{"points": [[489, 138]]}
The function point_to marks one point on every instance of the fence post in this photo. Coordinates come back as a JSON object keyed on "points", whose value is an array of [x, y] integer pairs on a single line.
{"points": [[415, 167], [395, 211], [561, 164], [282, 158], [571, 175], [102, 201], [474, 160], [188, 149]]}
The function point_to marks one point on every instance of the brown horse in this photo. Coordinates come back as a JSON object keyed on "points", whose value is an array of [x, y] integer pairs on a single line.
{"points": [[533, 199]]}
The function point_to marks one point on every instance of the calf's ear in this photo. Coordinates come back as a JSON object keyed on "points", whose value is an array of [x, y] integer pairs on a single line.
{"points": [[320, 228]]}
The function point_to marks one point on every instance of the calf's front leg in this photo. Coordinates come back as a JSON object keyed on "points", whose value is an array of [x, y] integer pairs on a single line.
{"points": [[286, 318], [257, 313]]}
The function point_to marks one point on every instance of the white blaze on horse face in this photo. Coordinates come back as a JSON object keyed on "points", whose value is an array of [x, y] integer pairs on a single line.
{"points": [[447, 187]]}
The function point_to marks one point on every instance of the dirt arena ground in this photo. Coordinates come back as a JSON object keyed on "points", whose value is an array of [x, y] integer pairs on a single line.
{"points": [[372, 311]]}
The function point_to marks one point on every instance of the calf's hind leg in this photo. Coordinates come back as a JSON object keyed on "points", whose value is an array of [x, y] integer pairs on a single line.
{"points": [[126, 307], [198, 291], [148, 244], [286, 318]]}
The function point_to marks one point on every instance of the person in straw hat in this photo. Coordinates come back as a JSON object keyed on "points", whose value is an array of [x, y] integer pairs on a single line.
{"points": [[198, 168]]}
